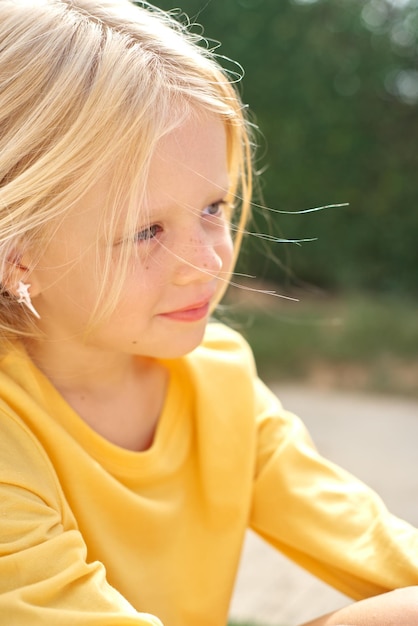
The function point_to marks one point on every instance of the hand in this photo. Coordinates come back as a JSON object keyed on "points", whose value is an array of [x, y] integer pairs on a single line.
{"points": [[396, 608]]}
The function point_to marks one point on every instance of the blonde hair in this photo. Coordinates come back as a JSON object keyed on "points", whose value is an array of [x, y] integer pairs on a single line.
{"points": [[86, 85]]}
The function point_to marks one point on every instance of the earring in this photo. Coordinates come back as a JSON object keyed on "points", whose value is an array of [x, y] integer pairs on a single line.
{"points": [[24, 298]]}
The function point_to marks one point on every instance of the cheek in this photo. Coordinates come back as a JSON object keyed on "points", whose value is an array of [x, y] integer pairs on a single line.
{"points": [[227, 251], [68, 285], [140, 288]]}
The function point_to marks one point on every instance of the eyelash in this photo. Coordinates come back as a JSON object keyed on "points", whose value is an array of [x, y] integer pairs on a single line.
{"points": [[150, 232], [219, 205]]}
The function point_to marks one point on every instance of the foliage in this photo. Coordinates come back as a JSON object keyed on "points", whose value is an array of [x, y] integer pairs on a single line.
{"points": [[360, 342], [334, 86]]}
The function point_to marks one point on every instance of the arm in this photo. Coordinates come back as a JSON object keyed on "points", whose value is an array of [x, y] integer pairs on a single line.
{"points": [[322, 517], [397, 608], [45, 574]]}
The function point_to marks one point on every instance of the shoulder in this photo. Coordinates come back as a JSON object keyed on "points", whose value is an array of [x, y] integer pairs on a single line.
{"points": [[222, 368], [24, 462], [224, 346]]}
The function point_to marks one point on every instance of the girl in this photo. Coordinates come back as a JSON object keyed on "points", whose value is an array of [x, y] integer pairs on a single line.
{"points": [[136, 442]]}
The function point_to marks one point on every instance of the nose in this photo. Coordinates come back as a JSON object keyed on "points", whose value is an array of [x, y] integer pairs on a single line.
{"points": [[198, 259]]}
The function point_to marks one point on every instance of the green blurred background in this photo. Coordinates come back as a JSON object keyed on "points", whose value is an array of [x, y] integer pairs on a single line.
{"points": [[333, 87]]}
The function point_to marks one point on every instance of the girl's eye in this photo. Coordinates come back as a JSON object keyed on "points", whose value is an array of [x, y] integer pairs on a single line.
{"points": [[148, 233], [215, 208]]}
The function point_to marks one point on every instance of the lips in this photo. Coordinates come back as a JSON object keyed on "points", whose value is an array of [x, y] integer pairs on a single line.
{"points": [[191, 313]]}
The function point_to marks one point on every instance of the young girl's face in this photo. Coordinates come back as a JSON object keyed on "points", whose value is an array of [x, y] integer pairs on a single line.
{"points": [[181, 254]]}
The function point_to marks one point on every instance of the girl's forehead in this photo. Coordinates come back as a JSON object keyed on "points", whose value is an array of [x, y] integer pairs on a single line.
{"points": [[188, 168], [190, 159]]}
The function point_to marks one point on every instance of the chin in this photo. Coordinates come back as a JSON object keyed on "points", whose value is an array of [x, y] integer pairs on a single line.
{"points": [[179, 348]]}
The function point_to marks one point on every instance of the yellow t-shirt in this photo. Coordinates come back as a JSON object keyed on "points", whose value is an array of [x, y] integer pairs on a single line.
{"points": [[95, 535]]}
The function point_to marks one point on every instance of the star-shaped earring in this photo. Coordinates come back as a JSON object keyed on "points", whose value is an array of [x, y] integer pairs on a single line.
{"points": [[24, 298]]}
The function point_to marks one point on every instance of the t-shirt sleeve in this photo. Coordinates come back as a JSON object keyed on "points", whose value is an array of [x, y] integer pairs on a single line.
{"points": [[321, 516], [45, 577]]}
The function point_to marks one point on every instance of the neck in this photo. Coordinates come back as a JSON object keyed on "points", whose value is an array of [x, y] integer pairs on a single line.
{"points": [[119, 395], [71, 366]]}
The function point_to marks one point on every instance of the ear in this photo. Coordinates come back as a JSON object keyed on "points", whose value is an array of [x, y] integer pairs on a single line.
{"points": [[18, 269]]}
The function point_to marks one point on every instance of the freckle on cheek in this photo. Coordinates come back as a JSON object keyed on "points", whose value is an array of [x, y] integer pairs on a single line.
{"points": [[134, 342]]}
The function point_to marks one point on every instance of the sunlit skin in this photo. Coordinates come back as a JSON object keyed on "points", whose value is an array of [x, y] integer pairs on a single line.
{"points": [[183, 250]]}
